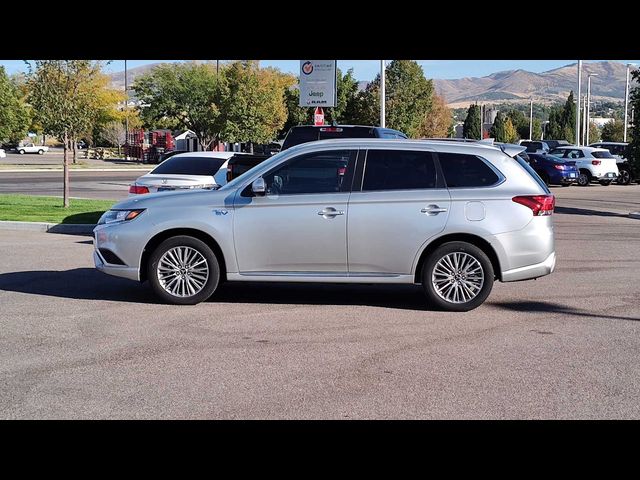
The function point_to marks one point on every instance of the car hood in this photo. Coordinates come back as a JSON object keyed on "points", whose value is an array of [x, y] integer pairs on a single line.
{"points": [[179, 198]]}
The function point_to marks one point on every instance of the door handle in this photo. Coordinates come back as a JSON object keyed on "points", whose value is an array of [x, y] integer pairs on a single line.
{"points": [[330, 212], [433, 210]]}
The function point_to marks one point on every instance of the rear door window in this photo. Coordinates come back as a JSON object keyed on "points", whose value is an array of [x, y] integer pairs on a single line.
{"points": [[605, 154], [464, 171], [398, 170]]}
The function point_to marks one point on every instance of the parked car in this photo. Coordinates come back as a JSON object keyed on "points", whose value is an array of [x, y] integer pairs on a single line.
{"points": [[618, 150], [2, 153], [453, 217], [557, 143], [31, 148], [595, 164], [554, 170], [82, 144], [185, 171], [310, 133], [535, 146]]}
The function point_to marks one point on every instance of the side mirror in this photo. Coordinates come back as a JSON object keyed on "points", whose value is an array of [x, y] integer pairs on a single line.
{"points": [[259, 187]]}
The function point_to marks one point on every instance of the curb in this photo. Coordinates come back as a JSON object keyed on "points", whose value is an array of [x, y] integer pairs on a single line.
{"points": [[635, 215], [65, 228]]}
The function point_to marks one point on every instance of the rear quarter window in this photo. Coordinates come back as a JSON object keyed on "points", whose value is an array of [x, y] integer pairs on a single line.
{"points": [[465, 171]]}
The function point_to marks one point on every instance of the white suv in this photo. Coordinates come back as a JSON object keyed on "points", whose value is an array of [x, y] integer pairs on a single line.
{"points": [[595, 164]]}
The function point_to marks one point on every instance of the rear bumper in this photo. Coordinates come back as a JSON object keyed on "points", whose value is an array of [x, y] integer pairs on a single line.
{"points": [[530, 272]]}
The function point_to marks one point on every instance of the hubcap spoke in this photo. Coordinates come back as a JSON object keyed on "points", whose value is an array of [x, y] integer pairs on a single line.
{"points": [[458, 277], [183, 271]]}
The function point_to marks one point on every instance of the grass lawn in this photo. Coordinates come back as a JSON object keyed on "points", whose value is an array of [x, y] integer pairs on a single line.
{"points": [[32, 208]]}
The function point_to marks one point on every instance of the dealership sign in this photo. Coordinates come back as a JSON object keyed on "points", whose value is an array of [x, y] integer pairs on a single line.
{"points": [[318, 83]]}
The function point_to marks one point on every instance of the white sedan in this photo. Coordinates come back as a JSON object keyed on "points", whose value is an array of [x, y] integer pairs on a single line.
{"points": [[185, 171]]}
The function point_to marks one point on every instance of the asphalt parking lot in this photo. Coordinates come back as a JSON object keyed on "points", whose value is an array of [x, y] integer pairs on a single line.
{"points": [[75, 343]]}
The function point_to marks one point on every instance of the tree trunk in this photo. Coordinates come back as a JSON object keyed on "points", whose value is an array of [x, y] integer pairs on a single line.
{"points": [[118, 150], [73, 145], [65, 196]]}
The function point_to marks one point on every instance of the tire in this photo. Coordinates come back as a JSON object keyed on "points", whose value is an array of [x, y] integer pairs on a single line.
{"points": [[21, 152], [170, 288], [41, 152], [605, 183], [584, 179], [442, 294], [624, 178]]}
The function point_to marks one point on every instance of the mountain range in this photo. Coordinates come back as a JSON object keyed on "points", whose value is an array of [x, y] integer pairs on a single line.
{"points": [[511, 86]]}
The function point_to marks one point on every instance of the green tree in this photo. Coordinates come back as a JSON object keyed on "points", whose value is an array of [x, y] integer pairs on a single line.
{"points": [[184, 96], [63, 94], [498, 131], [562, 121], [253, 107], [15, 116], [594, 132], [633, 149], [519, 122], [471, 126], [409, 96], [613, 131]]}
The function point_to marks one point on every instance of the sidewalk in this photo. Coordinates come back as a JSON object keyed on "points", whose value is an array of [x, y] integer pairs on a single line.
{"points": [[23, 163]]}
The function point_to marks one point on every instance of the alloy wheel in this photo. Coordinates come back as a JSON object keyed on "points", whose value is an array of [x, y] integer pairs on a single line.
{"points": [[458, 277], [183, 271]]}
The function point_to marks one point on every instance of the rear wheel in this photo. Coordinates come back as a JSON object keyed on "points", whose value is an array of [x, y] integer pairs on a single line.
{"points": [[625, 177], [183, 270], [605, 183], [40, 152], [457, 276], [21, 152], [584, 179]]}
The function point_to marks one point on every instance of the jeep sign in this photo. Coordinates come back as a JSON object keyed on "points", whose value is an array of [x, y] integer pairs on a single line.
{"points": [[318, 83]]}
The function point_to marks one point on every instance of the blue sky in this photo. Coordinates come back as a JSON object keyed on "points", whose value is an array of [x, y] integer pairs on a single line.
{"points": [[367, 69]]}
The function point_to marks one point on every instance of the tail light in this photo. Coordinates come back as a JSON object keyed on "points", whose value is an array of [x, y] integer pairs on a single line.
{"points": [[540, 205], [595, 162], [138, 189], [559, 167]]}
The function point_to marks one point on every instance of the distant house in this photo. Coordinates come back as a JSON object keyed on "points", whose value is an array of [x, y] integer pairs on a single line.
{"points": [[188, 141]]}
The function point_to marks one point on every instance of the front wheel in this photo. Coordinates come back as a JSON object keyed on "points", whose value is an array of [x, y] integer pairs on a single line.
{"points": [[605, 183], [40, 152], [584, 179], [624, 178], [457, 277], [183, 270]]}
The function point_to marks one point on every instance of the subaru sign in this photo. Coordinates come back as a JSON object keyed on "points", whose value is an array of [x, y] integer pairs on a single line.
{"points": [[318, 83]]}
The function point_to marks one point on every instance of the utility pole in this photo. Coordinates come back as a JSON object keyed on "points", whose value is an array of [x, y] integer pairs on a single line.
{"points": [[578, 102], [584, 118], [382, 93], [531, 121], [481, 123], [589, 105], [126, 112]]}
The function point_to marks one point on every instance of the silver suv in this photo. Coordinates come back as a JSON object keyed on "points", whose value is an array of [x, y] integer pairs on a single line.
{"points": [[450, 216]]}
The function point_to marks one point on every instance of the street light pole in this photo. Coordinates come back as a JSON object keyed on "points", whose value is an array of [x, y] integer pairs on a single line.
{"points": [[531, 121], [584, 117], [126, 112], [589, 105], [382, 93], [578, 102], [626, 102]]}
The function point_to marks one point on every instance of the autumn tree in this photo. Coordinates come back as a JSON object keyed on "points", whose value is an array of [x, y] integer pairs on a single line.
{"points": [[437, 121], [510, 132], [63, 95]]}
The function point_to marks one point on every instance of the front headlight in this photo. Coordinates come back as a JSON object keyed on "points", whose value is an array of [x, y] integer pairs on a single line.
{"points": [[117, 216]]}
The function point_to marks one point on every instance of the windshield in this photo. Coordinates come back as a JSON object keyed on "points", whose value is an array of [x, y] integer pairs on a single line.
{"points": [[189, 165]]}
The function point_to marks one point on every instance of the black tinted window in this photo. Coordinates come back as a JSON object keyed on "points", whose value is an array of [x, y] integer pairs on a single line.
{"points": [[462, 170], [189, 166], [296, 136], [398, 170], [605, 154], [321, 172]]}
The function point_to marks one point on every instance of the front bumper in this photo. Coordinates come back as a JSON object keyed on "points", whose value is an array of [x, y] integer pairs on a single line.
{"points": [[530, 272], [116, 270]]}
